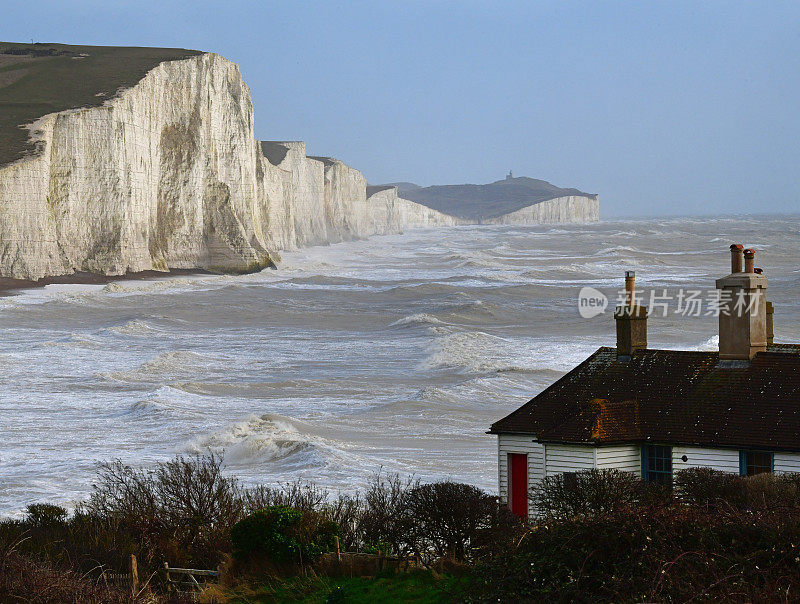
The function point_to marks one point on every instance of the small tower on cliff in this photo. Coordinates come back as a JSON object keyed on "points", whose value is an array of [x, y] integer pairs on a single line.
{"points": [[510, 175]]}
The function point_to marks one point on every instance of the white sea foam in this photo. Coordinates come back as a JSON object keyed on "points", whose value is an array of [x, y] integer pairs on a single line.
{"points": [[397, 352], [710, 345]]}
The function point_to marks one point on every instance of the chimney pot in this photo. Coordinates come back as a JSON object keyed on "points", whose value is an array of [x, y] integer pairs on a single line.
{"points": [[749, 260], [736, 258], [630, 288]]}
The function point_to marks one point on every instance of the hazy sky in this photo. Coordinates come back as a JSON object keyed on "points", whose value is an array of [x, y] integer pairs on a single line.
{"points": [[660, 107]]}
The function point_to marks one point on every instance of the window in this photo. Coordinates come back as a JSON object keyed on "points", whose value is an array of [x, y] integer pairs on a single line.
{"points": [[657, 464], [755, 462]]}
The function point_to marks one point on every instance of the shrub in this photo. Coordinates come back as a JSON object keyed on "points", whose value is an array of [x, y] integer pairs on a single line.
{"points": [[299, 495], [592, 492], [447, 517], [706, 486], [181, 511], [25, 579], [45, 514], [606, 537], [283, 534], [673, 553], [346, 512], [725, 491], [386, 517]]}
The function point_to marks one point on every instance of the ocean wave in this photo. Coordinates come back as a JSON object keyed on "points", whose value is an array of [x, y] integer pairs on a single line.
{"points": [[75, 340], [175, 360], [417, 319], [271, 438], [619, 249], [479, 352], [146, 286], [172, 363], [165, 400], [134, 327], [476, 352], [266, 438], [417, 289], [710, 345]]}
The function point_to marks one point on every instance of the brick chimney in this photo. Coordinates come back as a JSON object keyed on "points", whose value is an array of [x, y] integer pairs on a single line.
{"points": [[631, 322], [743, 309]]}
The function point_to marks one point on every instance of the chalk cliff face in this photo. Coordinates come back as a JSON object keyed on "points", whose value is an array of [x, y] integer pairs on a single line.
{"points": [[391, 214], [165, 175], [573, 208], [168, 174]]}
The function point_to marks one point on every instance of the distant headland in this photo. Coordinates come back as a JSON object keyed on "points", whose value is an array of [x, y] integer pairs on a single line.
{"points": [[490, 202]]}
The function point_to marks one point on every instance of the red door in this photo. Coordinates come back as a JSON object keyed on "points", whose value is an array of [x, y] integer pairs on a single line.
{"points": [[518, 469]]}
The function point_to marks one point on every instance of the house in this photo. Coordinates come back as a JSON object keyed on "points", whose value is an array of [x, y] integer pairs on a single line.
{"points": [[655, 412]]}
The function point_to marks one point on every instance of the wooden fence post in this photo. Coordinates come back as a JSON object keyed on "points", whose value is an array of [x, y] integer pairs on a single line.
{"points": [[134, 576], [338, 551]]}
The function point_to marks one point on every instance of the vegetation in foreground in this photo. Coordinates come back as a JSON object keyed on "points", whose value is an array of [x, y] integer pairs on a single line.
{"points": [[602, 536], [421, 586]]}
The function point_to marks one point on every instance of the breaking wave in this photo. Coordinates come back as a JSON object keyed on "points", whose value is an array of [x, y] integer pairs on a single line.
{"points": [[175, 363], [417, 319], [265, 438], [710, 345], [479, 352], [163, 402], [134, 327], [475, 352], [276, 439]]}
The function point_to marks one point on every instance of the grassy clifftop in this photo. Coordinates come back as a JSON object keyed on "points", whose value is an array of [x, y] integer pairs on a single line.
{"points": [[37, 79]]}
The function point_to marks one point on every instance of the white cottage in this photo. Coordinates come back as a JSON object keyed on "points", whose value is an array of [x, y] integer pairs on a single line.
{"points": [[655, 412]]}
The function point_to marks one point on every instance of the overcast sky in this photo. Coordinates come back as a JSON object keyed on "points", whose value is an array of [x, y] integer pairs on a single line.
{"points": [[660, 107]]}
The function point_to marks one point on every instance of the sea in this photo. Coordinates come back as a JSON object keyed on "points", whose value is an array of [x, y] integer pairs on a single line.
{"points": [[393, 354]]}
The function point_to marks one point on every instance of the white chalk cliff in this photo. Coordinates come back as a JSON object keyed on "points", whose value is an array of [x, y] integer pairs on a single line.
{"points": [[168, 175], [572, 208]]}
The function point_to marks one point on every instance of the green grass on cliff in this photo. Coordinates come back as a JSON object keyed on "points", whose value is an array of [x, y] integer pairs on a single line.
{"points": [[37, 79]]}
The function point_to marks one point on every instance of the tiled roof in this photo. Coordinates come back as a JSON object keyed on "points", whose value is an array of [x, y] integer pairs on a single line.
{"points": [[671, 397]]}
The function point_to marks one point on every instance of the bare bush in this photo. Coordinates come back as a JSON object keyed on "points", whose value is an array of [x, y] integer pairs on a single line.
{"points": [[182, 510], [386, 523], [197, 503], [346, 511], [26, 579], [590, 492], [299, 495], [446, 517], [727, 491], [706, 486], [126, 494]]}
